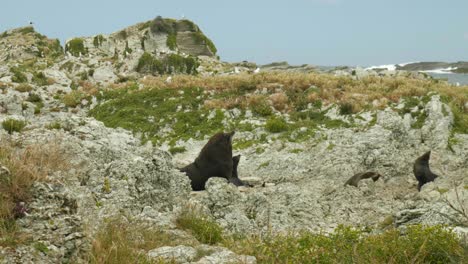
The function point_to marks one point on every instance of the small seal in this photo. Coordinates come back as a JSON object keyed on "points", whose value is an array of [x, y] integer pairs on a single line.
{"points": [[353, 181], [421, 170]]}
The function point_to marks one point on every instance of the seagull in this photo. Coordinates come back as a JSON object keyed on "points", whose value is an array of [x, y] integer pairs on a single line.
{"points": [[256, 70], [169, 79]]}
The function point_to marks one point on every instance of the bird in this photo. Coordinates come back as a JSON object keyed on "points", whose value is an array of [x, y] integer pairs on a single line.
{"points": [[256, 70], [31, 23]]}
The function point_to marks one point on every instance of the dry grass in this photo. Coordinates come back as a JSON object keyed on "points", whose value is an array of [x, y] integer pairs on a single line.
{"points": [[26, 165], [284, 88], [123, 241]]}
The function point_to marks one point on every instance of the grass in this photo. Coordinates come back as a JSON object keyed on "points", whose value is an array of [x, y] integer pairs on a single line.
{"points": [[276, 125], [126, 241], [203, 228], [26, 165], [175, 150], [18, 75], [74, 98], [23, 88], [12, 125], [169, 111], [420, 244]]}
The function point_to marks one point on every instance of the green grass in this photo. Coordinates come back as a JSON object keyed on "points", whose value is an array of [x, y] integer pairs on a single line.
{"points": [[420, 244], [175, 150], [12, 125], [152, 110], [40, 79], [133, 110], [276, 125], [203, 228], [18, 75], [54, 125]]}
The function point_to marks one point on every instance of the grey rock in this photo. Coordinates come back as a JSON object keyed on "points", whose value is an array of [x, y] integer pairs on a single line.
{"points": [[178, 254]]}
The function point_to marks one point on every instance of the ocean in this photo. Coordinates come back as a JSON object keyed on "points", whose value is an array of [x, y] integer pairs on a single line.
{"points": [[454, 78]]}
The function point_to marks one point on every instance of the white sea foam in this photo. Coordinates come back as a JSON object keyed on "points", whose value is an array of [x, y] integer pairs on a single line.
{"points": [[390, 67], [406, 63], [442, 70]]}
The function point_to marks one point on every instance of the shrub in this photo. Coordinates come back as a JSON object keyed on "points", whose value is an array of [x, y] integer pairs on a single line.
{"points": [[260, 106], [127, 50], [34, 98], [276, 125], [200, 38], [73, 98], [24, 87], [54, 125], [161, 25], [171, 41], [18, 75], [148, 64], [76, 47], [98, 40], [171, 64], [13, 125], [346, 108], [40, 79], [201, 226]]}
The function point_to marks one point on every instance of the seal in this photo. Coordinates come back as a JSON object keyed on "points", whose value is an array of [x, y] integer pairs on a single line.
{"points": [[353, 181], [421, 170], [214, 160]]}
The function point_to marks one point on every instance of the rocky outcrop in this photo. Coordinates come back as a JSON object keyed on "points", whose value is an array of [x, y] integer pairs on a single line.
{"points": [[305, 190]]}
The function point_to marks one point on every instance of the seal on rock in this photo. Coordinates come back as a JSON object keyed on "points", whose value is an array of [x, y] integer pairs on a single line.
{"points": [[235, 177], [215, 160], [421, 170], [353, 181]]}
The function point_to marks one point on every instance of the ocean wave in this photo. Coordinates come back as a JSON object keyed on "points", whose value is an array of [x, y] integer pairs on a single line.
{"points": [[441, 70]]}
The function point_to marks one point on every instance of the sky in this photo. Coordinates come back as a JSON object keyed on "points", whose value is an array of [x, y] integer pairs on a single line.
{"points": [[318, 32]]}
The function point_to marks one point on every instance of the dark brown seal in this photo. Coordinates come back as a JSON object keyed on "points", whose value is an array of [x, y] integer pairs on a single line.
{"points": [[421, 170], [353, 181], [214, 160], [235, 177]]}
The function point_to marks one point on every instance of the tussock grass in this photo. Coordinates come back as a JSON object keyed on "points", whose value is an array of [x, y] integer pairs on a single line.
{"points": [[168, 111], [124, 241], [327, 88], [26, 165], [202, 227], [420, 244], [12, 125]]}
